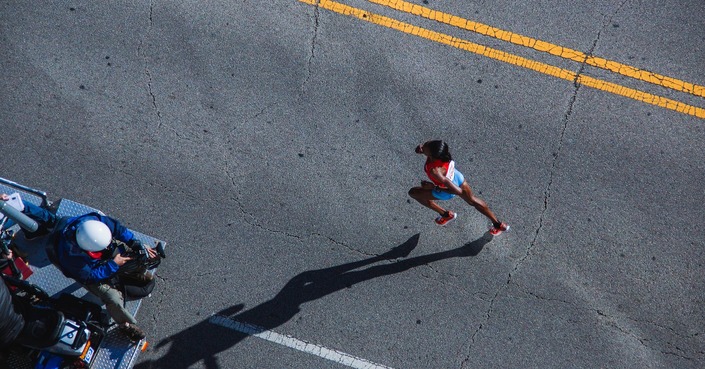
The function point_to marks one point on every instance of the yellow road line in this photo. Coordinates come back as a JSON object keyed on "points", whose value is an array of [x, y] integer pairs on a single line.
{"points": [[543, 46], [508, 58]]}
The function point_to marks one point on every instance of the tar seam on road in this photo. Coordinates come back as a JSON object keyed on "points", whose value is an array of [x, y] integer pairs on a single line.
{"points": [[297, 344], [509, 58]]}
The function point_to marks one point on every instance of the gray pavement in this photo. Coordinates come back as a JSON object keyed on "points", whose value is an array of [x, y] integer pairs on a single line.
{"points": [[271, 145]]}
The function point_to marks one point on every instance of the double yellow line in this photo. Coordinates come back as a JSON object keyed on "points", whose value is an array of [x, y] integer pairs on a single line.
{"points": [[535, 44]]}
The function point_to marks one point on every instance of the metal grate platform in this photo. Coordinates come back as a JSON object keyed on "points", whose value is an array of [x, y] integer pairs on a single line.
{"points": [[116, 351]]}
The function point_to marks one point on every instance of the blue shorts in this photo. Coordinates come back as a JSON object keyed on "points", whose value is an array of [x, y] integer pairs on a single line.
{"points": [[443, 195]]}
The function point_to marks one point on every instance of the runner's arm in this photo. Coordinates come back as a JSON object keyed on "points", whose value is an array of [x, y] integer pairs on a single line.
{"points": [[438, 174]]}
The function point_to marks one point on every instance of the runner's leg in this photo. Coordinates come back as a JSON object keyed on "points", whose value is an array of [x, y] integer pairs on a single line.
{"points": [[477, 202], [425, 197]]}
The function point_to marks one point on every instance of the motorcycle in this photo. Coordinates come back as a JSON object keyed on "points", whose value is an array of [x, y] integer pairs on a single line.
{"points": [[63, 332]]}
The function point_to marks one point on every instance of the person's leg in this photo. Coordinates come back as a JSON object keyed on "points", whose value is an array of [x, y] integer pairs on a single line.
{"points": [[477, 203], [425, 197], [45, 219], [113, 301], [39, 214]]}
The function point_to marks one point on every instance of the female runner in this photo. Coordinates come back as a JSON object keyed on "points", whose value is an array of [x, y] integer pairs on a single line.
{"points": [[446, 182]]}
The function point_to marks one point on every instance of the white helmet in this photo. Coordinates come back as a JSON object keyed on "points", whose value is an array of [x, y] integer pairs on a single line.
{"points": [[93, 235]]}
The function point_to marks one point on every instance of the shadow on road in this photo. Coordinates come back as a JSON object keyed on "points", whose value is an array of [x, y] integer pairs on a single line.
{"points": [[205, 340]]}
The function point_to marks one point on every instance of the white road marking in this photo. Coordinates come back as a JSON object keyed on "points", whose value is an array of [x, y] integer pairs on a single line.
{"points": [[288, 341]]}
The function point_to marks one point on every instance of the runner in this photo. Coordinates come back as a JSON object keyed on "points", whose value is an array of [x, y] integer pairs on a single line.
{"points": [[446, 182]]}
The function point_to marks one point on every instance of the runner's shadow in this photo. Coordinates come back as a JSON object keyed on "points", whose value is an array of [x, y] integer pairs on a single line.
{"points": [[205, 340]]}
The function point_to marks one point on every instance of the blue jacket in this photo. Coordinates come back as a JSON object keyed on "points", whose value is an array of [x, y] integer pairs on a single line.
{"points": [[75, 262]]}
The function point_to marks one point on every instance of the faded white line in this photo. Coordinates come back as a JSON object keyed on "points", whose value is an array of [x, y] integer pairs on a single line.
{"points": [[297, 344]]}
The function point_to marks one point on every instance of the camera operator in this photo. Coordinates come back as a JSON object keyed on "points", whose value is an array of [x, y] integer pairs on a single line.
{"points": [[83, 254], [85, 251]]}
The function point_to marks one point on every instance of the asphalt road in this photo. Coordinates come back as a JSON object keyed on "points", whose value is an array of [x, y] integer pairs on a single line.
{"points": [[270, 143]]}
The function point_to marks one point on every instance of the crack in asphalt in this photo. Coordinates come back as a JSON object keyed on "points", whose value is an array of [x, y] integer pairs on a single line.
{"points": [[161, 297], [252, 221], [312, 54], [263, 110], [611, 321], [454, 287], [146, 65], [547, 191], [309, 62], [614, 322], [142, 50], [547, 196]]}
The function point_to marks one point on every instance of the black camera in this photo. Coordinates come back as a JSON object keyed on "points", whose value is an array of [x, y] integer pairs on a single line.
{"points": [[140, 258]]}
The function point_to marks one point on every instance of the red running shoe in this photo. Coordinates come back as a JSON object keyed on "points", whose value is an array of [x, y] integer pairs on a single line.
{"points": [[503, 227], [446, 218]]}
